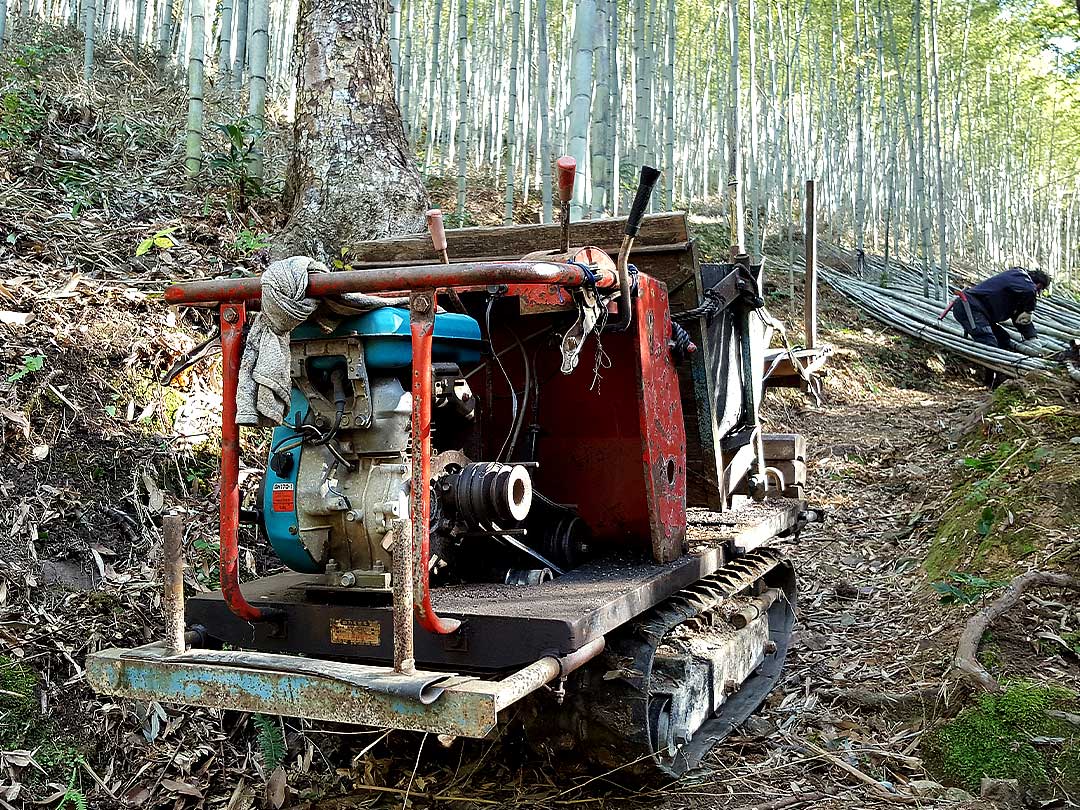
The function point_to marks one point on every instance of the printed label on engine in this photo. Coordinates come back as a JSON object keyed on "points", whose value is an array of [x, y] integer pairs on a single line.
{"points": [[355, 631], [283, 498]]}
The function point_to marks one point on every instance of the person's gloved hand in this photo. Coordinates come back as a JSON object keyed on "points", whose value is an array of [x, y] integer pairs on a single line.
{"points": [[1025, 327]]}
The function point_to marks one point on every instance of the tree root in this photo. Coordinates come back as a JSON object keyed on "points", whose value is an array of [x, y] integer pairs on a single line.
{"points": [[968, 647]]}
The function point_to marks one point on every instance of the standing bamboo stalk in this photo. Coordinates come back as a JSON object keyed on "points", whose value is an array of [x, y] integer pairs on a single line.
{"points": [[197, 53], [581, 72], [600, 159], [240, 48], [258, 56], [88, 41], [225, 40], [463, 108], [511, 124], [543, 69]]}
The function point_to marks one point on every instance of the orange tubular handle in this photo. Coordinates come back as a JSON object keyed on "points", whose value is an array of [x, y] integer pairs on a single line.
{"points": [[565, 170]]}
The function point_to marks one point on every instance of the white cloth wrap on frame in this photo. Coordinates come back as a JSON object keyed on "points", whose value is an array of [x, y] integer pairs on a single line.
{"points": [[265, 384]]}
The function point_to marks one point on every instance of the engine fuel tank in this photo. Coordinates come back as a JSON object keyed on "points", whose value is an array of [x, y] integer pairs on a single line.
{"points": [[385, 334]]}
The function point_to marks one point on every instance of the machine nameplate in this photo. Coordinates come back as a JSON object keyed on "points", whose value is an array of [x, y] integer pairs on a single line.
{"points": [[355, 631], [283, 497]]}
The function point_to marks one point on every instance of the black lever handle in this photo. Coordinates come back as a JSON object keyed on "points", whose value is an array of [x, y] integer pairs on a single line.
{"points": [[646, 184]]}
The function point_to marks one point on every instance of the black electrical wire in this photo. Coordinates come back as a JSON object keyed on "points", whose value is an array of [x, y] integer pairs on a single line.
{"points": [[502, 368], [706, 309]]}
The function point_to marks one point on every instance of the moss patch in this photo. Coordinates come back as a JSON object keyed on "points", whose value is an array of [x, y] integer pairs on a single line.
{"points": [[1020, 477], [21, 723], [995, 738]]}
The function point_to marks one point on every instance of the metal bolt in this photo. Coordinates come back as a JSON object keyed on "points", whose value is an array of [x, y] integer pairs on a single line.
{"points": [[421, 303], [770, 647], [332, 566], [293, 530], [348, 579], [352, 516], [230, 315]]}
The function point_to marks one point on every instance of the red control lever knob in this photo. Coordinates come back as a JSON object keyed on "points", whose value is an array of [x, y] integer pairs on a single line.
{"points": [[435, 228], [566, 168]]}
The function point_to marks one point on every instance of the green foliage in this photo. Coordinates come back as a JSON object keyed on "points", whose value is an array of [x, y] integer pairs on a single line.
{"points": [[160, 240], [21, 115], [20, 711], [270, 740], [248, 242], [963, 589], [993, 738], [231, 166], [82, 187], [31, 363], [34, 57], [73, 797]]}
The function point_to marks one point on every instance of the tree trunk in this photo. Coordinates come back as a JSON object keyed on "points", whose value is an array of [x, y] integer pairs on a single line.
{"points": [[140, 21], [600, 159], [463, 108], [165, 32], [350, 177]]}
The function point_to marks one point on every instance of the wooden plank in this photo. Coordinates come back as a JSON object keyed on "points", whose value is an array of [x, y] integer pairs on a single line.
{"points": [[518, 240], [783, 446]]}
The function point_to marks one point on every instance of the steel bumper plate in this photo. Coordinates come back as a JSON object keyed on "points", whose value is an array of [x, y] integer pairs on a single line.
{"points": [[329, 691]]}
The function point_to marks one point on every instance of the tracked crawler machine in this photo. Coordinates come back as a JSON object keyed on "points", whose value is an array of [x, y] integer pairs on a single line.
{"points": [[532, 478]]}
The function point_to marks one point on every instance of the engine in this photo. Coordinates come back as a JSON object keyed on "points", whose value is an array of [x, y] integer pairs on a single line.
{"points": [[338, 473]]}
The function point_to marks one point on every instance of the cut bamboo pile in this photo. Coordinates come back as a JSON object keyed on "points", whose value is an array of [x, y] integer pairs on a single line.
{"points": [[894, 296]]}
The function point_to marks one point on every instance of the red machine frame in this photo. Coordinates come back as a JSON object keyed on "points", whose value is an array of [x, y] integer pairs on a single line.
{"points": [[549, 280]]}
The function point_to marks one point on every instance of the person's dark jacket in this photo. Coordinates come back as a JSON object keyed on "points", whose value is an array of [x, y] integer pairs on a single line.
{"points": [[1007, 296]]}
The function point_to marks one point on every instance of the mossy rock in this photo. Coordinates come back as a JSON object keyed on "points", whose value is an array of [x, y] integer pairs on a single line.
{"points": [[993, 738], [21, 723]]}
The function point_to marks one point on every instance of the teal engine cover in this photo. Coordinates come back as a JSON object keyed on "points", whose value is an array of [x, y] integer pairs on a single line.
{"points": [[386, 340]]}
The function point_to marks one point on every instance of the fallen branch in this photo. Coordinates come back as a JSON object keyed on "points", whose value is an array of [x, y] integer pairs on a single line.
{"points": [[968, 647], [787, 802], [879, 790]]}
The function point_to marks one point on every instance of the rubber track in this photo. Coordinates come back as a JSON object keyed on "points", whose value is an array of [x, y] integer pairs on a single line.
{"points": [[632, 650]]}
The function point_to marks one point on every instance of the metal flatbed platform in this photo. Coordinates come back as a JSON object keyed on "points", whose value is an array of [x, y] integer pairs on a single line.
{"points": [[504, 626]]}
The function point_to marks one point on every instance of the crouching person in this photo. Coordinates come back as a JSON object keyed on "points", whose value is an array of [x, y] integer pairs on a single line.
{"points": [[1008, 296]]}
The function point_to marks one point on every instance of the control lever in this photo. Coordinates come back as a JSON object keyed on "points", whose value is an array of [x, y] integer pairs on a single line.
{"points": [[438, 241], [646, 184], [565, 170]]}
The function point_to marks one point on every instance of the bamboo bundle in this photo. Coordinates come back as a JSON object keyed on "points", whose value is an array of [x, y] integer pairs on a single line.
{"points": [[902, 306]]}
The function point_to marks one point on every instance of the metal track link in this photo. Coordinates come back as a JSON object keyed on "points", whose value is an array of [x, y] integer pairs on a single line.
{"points": [[631, 653]]}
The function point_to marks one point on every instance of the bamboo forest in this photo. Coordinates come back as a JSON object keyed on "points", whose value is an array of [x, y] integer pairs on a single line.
{"points": [[936, 129], [539, 404]]}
